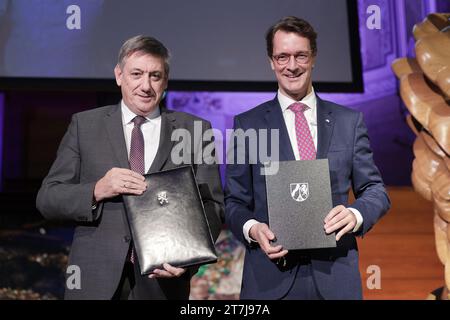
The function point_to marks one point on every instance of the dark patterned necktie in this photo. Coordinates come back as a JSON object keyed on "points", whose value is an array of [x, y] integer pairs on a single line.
{"points": [[136, 160], [305, 141]]}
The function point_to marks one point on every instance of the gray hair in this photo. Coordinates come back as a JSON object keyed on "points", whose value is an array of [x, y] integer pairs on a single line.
{"points": [[147, 45]]}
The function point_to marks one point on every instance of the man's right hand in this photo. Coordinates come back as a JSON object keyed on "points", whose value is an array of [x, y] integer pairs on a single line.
{"points": [[261, 233], [119, 181]]}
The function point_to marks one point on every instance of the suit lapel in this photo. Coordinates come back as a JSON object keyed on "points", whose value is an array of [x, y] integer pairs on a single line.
{"points": [[275, 120], [325, 125], [165, 141], [114, 127]]}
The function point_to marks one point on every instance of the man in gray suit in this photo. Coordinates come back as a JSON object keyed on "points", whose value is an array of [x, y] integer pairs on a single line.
{"points": [[92, 172]]}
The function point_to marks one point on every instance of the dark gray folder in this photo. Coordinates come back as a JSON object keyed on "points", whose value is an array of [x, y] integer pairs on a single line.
{"points": [[168, 222], [298, 200]]}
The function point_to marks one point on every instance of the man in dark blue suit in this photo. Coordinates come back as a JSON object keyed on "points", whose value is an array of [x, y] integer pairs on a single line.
{"points": [[322, 129]]}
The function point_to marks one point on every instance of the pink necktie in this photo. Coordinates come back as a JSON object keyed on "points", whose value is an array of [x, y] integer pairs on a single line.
{"points": [[136, 160], [305, 141]]}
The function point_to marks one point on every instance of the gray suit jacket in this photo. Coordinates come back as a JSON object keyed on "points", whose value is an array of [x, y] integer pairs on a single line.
{"points": [[93, 144]]}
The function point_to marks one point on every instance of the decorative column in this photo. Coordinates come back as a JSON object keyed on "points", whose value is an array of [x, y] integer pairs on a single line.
{"points": [[425, 90]]}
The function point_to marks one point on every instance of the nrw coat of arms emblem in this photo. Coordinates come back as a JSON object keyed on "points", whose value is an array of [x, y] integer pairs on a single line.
{"points": [[299, 191]]}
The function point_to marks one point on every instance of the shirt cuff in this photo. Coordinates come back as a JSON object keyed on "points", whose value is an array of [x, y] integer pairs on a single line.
{"points": [[246, 229], [359, 219]]}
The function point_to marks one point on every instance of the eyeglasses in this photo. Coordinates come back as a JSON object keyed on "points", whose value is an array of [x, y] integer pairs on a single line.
{"points": [[300, 57]]}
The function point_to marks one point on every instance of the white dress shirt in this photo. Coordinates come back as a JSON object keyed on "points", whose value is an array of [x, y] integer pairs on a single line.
{"points": [[289, 118], [151, 130]]}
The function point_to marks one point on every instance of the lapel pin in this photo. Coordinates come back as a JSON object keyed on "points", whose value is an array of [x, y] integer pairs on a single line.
{"points": [[327, 120]]}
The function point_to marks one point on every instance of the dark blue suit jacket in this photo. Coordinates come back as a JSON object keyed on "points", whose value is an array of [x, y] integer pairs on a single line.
{"points": [[342, 138]]}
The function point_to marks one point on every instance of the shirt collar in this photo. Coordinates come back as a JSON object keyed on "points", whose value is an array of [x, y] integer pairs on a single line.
{"points": [[285, 101], [128, 115]]}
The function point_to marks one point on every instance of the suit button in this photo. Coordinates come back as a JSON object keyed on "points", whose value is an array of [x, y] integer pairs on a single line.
{"points": [[126, 239]]}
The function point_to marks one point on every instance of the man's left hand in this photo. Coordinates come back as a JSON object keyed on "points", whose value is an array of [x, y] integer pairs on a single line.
{"points": [[339, 218], [168, 272]]}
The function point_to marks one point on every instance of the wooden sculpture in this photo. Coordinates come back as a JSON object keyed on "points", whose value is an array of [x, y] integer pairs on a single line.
{"points": [[425, 90]]}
